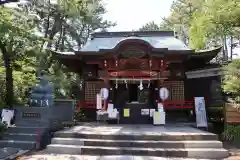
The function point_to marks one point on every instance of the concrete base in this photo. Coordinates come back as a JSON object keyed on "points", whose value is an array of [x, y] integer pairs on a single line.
{"points": [[138, 140]]}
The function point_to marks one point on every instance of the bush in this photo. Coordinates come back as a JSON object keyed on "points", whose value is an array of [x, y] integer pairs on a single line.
{"points": [[232, 133]]}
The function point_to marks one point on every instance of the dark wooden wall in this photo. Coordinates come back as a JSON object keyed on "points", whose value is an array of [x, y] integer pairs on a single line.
{"points": [[206, 87]]}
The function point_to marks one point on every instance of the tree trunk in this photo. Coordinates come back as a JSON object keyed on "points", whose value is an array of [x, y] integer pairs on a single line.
{"points": [[231, 48], [55, 29], [226, 49], [57, 45], [9, 76], [61, 47], [9, 81]]}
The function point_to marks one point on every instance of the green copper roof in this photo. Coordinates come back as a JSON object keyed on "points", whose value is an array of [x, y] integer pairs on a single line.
{"points": [[110, 40]]}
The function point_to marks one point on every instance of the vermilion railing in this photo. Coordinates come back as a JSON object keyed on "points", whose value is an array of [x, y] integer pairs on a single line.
{"points": [[179, 104], [167, 104], [86, 104]]}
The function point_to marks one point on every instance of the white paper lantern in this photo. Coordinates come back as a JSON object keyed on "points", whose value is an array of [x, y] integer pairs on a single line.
{"points": [[104, 93], [163, 93]]}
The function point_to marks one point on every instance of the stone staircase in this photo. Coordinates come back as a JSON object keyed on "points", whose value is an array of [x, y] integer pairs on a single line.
{"points": [[19, 140], [23, 137], [34, 126], [164, 145]]}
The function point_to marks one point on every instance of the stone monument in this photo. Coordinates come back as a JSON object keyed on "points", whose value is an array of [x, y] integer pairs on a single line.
{"points": [[44, 110], [42, 93]]}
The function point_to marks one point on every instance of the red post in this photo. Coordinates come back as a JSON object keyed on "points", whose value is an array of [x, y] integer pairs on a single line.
{"points": [[105, 105]]}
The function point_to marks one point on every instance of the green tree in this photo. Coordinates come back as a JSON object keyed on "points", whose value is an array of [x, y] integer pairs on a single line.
{"points": [[18, 39], [150, 26], [215, 23], [66, 26], [180, 17], [231, 80]]}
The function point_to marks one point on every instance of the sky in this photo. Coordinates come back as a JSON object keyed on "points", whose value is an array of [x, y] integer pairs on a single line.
{"points": [[133, 14]]}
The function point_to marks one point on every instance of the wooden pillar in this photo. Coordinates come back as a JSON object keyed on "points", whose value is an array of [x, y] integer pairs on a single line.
{"points": [[105, 102]]}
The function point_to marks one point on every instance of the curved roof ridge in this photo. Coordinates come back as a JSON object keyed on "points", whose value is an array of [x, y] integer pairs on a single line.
{"points": [[132, 33], [169, 42]]}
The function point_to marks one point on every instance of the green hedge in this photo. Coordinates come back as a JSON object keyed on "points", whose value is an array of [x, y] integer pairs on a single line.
{"points": [[232, 133]]}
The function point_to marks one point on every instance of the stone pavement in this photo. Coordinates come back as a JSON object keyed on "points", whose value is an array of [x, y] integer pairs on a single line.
{"points": [[109, 130], [10, 153], [92, 128], [85, 157], [124, 157], [5, 152]]}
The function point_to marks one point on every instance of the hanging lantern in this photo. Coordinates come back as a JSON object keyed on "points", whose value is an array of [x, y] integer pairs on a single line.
{"points": [[104, 92], [163, 93]]}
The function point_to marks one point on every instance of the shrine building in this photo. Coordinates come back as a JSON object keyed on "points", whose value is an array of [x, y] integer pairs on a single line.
{"points": [[135, 65]]}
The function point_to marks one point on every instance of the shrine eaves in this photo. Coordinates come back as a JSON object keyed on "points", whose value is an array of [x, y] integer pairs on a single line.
{"points": [[7, 1]]}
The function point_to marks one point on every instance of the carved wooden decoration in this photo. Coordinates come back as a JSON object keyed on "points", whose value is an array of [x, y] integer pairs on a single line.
{"points": [[133, 64], [133, 74], [133, 52]]}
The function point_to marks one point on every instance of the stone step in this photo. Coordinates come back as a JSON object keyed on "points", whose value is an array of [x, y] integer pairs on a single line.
{"points": [[26, 145], [20, 136], [99, 157], [131, 143], [209, 153], [26, 129], [163, 137], [32, 124]]}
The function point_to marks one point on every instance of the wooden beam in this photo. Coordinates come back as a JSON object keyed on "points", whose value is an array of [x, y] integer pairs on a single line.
{"points": [[204, 73]]}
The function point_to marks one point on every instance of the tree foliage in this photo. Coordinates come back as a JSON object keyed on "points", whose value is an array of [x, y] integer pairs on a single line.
{"points": [[231, 80], [150, 26], [28, 32], [181, 16], [18, 39], [204, 24], [207, 24], [217, 19]]}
